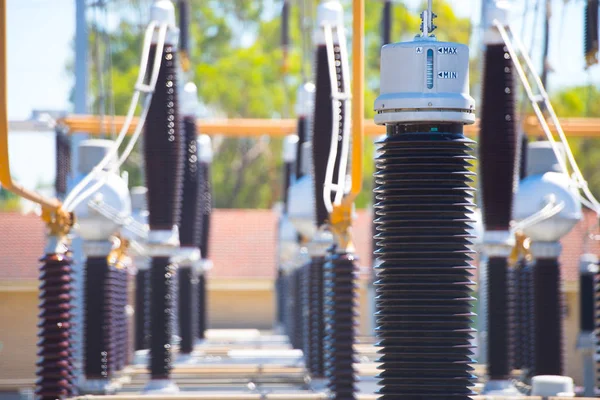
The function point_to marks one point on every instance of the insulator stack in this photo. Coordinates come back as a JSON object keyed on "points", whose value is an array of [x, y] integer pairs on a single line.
{"points": [[122, 320], [548, 318], [386, 23], [424, 302], [591, 33], [142, 309], [297, 333], [316, 320], [285, 25], [98, 326], [190, 230], [339, 312], [202, 326], [302, 138], [521, 277], [111, 315], [498, 145], [597, 326], [523, 157], [162, 274], [305, 300], [63, 162], [184, 26], [188, 302], [164, 154], [54, 366]]}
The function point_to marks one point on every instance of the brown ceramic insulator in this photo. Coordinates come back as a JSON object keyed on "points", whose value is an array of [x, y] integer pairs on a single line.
{"points": [[547, 318], [54, 365], [340, 322], [424, 287], [164, 147]]}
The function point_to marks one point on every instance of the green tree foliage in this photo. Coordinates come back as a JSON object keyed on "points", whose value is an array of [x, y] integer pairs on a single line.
{"points": [[9, 201], [238, 61]]}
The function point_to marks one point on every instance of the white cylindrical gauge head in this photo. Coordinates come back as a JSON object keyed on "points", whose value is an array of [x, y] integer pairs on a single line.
{"points": [[91, 152], [301, 206], [535, 192], [424, 81], [288, 240], [114, 194], [541, 158], [329, 13], [205, 151], [189, 99], [496, 10], [290, 147], [305, 99]]}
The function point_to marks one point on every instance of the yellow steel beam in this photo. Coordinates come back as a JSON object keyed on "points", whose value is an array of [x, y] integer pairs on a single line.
{"points": [[51, 207]]}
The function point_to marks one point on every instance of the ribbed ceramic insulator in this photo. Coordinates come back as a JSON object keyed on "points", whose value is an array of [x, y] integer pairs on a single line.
{"points": [[317, 319], [142, 311], [202, 326], [521, 277], [597, 330], [305, 300], [279, 289], [164, 147], [111, 313], [98, 332], [302, 126], [122, 320], [162, 276], [591, 30], [548, 318], [298, 310], [424, 287], [340, 315], [288, 169], [500, 320], [63, 162], [206, 203], [190, 228], [184, 25], [54, 366], [523, 157], [498, 139], [586, 307], [188, 305], [322, 127]]}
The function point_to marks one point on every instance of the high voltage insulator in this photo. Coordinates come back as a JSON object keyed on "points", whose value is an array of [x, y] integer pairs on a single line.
{"points": [[315, 324], [586, 341], [423, 209], [591, 32], [54, 365], [63, 162], [142, 279], [386, 23], [164, 161]]}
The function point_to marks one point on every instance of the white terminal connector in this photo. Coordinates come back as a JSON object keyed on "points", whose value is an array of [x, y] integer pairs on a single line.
{"points": [[424, 81], [189, 100], [305, 99], [205, 151], [496, 10], [163, 12], [329, 13], [290, 147]]}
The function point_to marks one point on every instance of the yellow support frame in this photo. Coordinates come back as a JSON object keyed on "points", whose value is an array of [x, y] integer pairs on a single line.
{"points": [[58, 220]]}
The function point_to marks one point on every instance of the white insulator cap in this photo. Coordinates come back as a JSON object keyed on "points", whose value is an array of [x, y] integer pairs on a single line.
{"points": [[163, 11], [205, 151], [537, 191], [424, 81], [189, 99], [92, 151], [305, 99], [497, 10], [301, 206], [329, 12], [290, 147], [551, 385], [138, 198]]}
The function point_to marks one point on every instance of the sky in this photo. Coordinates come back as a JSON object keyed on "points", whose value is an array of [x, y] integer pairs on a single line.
{"points": [[40, 36]]}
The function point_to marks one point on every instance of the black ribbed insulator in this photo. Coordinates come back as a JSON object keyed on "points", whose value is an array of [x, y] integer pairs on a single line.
{"points": [[523, 311], [586, 304], [63, 162], [424, 287], [142, 303], [190, 227], [122, 320], [162, 276], [98, 325], [188, 308], [597, 330], [302, 136], [289, 306], [288, 168], [498, 139], [340, 321], [317, 319], [548, 317], [205, 207], [184, 25], [500, 320], [201, 306], [279, 287], [322, 127], [54, 365], [523, 157], [298, 339], [386, 23], [591, 32], [285, 24], [164, 147], [112, 317], [305, 300]]}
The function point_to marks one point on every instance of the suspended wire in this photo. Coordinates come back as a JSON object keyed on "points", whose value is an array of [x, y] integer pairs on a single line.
{"points": [[75, 197]]}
